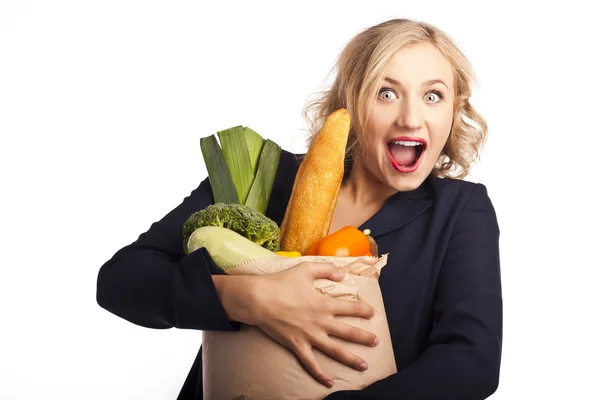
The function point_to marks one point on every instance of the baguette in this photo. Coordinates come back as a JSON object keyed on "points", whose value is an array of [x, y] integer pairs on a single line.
{"points": [[316, 186]]}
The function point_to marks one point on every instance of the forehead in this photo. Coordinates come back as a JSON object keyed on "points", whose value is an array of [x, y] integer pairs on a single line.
{"points": [[418, 63]]}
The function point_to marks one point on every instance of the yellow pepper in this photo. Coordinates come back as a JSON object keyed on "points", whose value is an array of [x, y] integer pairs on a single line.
{"points": [[288, 253]]}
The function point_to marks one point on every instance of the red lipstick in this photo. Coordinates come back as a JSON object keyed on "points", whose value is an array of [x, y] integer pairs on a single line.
{"points": [[402, 168]]}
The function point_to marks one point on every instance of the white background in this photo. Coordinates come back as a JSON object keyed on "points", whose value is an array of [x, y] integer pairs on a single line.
{"points": [[102, 105]]}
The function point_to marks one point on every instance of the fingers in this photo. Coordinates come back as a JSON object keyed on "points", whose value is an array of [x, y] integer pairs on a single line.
{"points": [[352, 334], [337, 352], [325, 271], [352, 308], [307, 358]]}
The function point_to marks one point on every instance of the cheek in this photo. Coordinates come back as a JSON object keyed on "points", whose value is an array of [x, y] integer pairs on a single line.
{"points": [[440, 131], [376, 129], [382, 118]]}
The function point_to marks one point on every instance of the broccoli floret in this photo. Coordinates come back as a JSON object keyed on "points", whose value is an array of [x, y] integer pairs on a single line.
{"points": [[242, 219]]}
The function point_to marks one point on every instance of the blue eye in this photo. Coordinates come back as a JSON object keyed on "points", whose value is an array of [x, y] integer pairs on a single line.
{"points": [[387, 94]]}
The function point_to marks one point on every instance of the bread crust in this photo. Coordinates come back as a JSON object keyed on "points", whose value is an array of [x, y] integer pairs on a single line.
{"points": [[316, 186]]}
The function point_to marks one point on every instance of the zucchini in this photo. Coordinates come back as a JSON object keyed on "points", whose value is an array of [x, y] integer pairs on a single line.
{"points": [[227, 248]]}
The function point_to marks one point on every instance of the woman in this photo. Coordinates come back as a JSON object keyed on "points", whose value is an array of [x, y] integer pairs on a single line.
{"points": [[414, 136]]}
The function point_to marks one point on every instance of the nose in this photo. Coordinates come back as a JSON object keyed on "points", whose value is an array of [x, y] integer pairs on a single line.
{"points": [[409, 115]]}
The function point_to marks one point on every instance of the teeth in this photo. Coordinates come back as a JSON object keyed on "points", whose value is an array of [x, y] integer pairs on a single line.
{"points": [[407, 143]]}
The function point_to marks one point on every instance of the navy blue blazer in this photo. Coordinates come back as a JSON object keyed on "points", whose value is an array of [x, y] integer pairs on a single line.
{"points": [[441, 286]]}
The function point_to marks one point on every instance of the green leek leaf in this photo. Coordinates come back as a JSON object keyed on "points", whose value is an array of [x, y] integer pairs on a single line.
{"points": [[219, 175], [237, 157], [255, 144], [260, 193]]}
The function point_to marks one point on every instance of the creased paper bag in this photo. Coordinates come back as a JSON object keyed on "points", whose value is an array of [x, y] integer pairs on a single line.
{"points": [[248, 364]]}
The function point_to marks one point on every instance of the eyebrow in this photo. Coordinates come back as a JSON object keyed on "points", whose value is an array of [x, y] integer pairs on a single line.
{"points": [[426, 83]]}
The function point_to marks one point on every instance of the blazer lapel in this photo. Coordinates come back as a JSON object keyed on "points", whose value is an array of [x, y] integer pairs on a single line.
{"points": [[399, 210]]}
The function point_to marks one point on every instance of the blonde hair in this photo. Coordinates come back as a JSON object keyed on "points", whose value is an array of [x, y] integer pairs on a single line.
{"points": [[361, 68]]}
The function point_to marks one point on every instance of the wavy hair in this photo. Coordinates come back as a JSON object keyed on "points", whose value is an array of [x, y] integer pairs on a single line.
{"points": [[360, 71]]}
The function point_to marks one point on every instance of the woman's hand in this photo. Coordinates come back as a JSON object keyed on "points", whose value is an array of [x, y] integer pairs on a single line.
{"points": [[288, 308]]}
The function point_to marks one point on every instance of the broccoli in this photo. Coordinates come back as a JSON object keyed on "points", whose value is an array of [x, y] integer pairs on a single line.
{"points": [[242, 219]]}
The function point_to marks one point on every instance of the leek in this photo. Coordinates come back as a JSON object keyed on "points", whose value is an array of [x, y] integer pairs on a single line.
{"points": [[235, 151], [242, 168], [255, 145], [219, 176], [260, 192]]}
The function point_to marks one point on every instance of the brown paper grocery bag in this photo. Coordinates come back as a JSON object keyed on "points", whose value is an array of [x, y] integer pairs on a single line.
{"points": [[248, 364]]}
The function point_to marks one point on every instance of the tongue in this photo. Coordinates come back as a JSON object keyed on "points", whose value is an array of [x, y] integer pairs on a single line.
{"points": [[403, 155]]}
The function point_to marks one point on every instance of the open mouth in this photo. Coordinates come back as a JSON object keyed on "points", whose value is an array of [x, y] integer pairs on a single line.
{"points": [[406, 153]]}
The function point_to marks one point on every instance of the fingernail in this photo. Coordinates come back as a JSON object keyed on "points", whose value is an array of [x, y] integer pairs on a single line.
{"points": [[376, 341], [363, 366], [329, 383]]}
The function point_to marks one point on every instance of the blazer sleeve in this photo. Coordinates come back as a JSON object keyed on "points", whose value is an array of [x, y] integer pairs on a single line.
{"points": [[153, 283], [462, 358]]}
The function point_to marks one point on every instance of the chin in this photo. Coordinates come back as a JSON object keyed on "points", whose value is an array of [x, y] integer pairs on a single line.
{"points": [[406, 184]]}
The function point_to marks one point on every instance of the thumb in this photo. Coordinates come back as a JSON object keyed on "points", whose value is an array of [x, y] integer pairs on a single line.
{"points": [[326, 271]]}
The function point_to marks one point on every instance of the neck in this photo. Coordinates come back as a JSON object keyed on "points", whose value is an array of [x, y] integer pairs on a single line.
{"points": [[363, 188]]}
